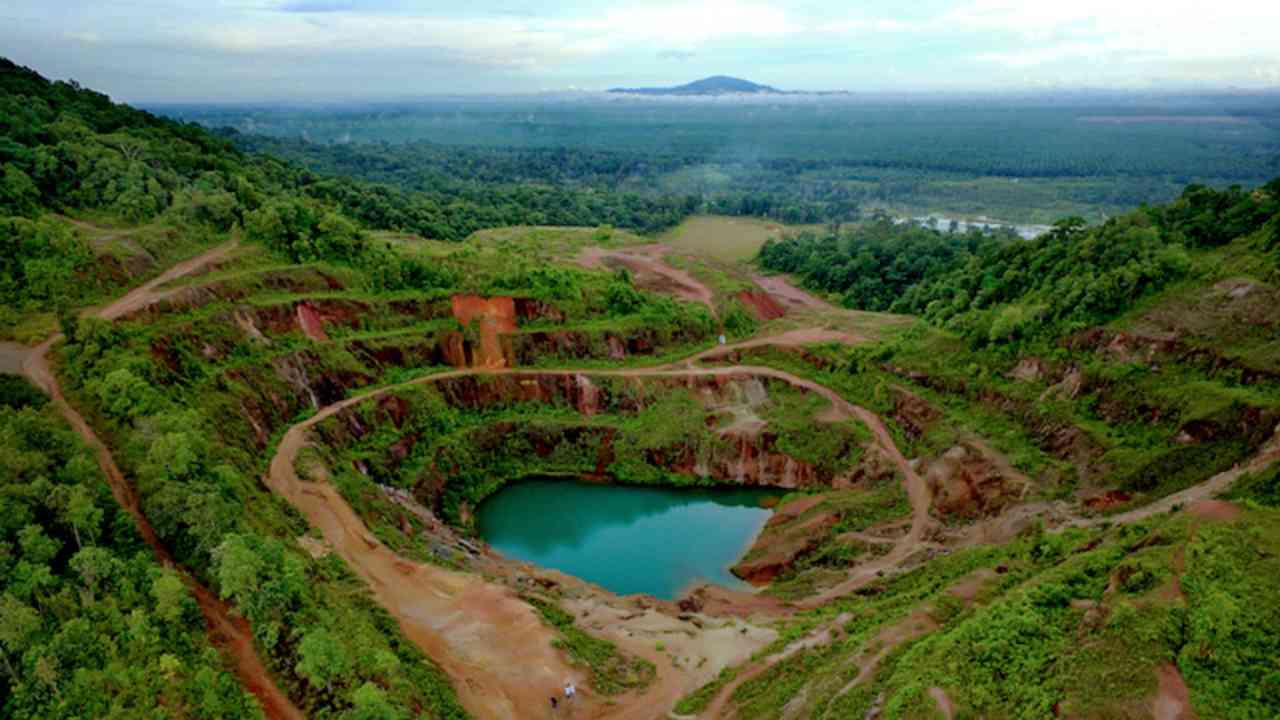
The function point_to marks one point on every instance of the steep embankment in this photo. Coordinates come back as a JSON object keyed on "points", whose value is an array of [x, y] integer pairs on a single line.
{"points": [[489, 631]]}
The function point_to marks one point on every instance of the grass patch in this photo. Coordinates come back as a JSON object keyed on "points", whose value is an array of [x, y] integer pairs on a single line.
{"points": [[612, 672], [728, 239]]}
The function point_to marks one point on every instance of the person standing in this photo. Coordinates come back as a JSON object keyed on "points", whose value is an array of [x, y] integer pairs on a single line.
{"points": [[570, 692]]}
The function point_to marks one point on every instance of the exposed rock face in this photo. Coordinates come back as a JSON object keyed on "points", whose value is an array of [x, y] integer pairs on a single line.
{"points": [[762, 305], [473, 392], [967, 481], [1205, 352], [1029, 369], [528, 309], [493, 317], [740, 455], [528, 347], [746, 458], [794, 530], [1056, 436], [311, 322], [752, 460], [912, 412]]}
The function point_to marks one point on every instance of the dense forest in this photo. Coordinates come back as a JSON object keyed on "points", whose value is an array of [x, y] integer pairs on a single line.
{"points": [[65, 148], [90, 624], [1031, 159], [996, 288]]}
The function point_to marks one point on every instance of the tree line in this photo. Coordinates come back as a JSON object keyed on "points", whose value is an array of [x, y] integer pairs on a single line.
{"points": [[994, 288]]}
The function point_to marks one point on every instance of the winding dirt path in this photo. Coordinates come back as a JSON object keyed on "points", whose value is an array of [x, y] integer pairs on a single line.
{"points": [[229, 633], [652, 273], [790, 295], [149, 292], [493, 646], [1264, 458]]}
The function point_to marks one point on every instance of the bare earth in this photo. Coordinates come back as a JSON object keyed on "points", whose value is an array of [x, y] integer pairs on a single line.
{"points": [[488, 640], [651, 273], [1173, 699], [790, 295]]}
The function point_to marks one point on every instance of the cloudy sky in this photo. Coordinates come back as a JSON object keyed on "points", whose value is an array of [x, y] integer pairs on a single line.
{"points": [[231, 50]]}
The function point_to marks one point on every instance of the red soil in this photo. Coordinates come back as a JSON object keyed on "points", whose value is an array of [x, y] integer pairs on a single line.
{"points": [[1173, 699], [651, 273], [779, 287], [1109, 499], [311, 322], [1215, 510], [496, 316], [762, 305]]}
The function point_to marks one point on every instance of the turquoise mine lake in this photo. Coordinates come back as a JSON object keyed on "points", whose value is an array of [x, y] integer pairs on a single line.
{"points": [[627, 539]]}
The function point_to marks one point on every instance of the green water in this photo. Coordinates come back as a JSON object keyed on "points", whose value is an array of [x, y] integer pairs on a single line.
{"points": [[657, 541]]}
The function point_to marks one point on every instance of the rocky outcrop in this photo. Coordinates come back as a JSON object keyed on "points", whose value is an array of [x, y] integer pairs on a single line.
{"points": [[913, 413], [492, 317], [795, 530], [1029, 369], [969, 481]]}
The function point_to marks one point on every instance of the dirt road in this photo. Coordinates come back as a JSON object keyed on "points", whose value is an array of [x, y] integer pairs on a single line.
{"points": [[149, 292], [489, 641], [790, 295], [651, 272], [1265, 457], [230, 634]]}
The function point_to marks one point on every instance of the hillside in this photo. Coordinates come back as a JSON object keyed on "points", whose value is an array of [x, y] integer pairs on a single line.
{"points": [[261, 407], [714, 85]]}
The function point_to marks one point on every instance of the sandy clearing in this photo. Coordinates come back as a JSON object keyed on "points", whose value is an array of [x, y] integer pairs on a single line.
{"points": [[13, 356], [493, 646]]}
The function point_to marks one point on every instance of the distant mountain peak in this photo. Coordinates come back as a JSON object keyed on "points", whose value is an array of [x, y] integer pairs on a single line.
{"points": [[714, 85]]}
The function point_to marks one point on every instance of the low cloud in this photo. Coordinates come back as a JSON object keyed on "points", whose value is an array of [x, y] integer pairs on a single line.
{"points": [[260, 46], [681, 55], [318, 6]]}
